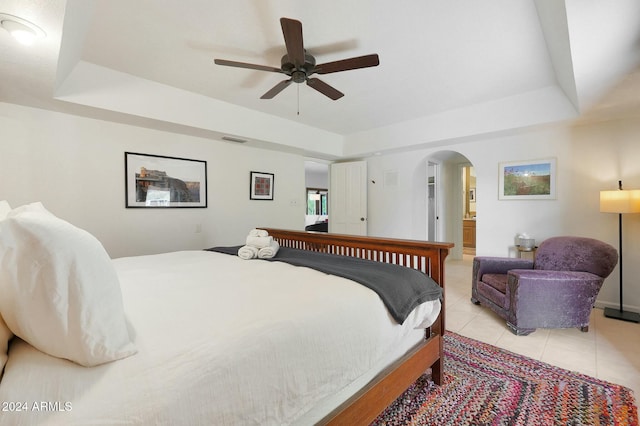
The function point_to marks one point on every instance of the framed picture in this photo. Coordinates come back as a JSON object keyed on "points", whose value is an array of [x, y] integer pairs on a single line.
{"points": [[155, 181], [528, 180], [472, 195], [261, 186]]}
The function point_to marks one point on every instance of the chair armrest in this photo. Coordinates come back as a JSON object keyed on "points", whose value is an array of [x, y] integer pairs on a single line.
{"points": [[552, 289], [541, 296], [538, 277], [498, 265]]}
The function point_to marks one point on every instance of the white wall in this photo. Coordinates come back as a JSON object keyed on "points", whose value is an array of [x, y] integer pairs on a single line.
{"points": [[590, 158], [317, 176], [75, 166]]}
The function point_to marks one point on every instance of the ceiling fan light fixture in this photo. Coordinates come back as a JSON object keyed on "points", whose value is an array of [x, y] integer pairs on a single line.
{"points": [[22, 30], [299, 76]]}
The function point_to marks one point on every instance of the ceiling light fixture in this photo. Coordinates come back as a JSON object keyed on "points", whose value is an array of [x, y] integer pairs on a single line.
{"points": [[22, 30]]}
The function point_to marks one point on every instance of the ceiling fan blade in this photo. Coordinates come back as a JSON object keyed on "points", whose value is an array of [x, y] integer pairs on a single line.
{"points": [[292, 32], [245, 65], [324, 88], [348, 64], [276, 89]]}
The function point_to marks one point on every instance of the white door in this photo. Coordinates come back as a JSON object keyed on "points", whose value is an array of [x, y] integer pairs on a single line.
{"points": [[348, 198]]}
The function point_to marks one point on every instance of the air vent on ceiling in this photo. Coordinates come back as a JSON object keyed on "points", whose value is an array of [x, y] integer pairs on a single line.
{"points": [[233, 139]]}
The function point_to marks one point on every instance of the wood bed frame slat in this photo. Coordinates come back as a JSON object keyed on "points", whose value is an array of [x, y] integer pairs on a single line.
{"points": [[428, 257]]}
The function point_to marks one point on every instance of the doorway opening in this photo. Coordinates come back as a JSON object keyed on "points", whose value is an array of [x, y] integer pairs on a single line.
{"points": [[316, 175], [432, 201], [451, 201], [469, 206]]}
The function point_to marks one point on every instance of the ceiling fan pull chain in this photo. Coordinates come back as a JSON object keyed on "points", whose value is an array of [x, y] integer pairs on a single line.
{"points": [[298, 99]]}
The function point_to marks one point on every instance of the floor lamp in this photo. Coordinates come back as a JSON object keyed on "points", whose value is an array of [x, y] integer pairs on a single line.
{"points": [[620, 201]]}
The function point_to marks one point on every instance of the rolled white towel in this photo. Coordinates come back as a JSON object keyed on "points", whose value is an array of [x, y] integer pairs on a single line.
{"points": [[269, 252], [258, 233], [259, 242], [247, 252]]}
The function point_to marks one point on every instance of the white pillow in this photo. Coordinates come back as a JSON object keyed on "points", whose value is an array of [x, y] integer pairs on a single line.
{"points": [[5, 337], [5, 333], [60, 291], [4, 209]]}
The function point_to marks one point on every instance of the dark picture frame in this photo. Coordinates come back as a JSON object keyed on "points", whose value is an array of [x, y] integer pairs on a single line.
{"points": [[157, 181], [261, 186]]}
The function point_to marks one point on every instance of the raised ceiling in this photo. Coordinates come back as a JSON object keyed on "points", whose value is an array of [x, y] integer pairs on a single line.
{"points": [[448, 70]]}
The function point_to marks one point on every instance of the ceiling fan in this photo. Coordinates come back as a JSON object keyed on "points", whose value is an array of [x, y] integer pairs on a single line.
{"points": [[299, 65]]}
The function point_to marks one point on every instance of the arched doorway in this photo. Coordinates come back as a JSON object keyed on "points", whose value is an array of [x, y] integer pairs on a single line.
{"points": [[451, 201]]}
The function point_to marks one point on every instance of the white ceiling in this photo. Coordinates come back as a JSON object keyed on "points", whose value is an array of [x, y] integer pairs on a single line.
{"points": [[447, 69]]}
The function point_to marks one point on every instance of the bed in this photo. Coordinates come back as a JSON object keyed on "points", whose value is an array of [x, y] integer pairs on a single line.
{"points": [[296, 347], [428, 257]]}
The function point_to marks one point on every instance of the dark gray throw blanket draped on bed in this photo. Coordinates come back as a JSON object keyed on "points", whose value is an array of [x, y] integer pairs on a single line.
{"points": [[400, 288]]}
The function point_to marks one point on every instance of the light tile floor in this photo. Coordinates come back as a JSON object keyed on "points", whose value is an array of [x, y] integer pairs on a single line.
{"points": [[610, 350]]}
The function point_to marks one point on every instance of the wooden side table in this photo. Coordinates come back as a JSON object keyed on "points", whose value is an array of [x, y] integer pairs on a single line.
{"points": [[523, 252]]}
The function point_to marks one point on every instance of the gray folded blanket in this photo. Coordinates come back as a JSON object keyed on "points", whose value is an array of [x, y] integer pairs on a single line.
{"points": [[400, 288]]}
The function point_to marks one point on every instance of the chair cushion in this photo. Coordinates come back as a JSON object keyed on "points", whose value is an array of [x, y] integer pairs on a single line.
{"points": [[493, 288], [497, 281], [576, 254]]}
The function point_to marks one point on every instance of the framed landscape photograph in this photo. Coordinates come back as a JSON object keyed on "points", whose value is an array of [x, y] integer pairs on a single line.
{"points": [[528, 180], [155, 181], [261, 186]]}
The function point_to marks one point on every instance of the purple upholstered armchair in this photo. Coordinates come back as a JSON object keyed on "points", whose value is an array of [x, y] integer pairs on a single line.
{"points": [[556, 290]]}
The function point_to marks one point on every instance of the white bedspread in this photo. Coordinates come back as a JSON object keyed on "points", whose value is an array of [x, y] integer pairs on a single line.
{"points": [[221, 341]]}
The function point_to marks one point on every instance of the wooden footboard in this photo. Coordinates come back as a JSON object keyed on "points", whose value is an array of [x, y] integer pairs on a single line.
{"points": [[428, 257]]}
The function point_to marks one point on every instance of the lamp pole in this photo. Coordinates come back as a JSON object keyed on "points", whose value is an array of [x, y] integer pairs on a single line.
{"points": [[621, 257], [620, 313]]}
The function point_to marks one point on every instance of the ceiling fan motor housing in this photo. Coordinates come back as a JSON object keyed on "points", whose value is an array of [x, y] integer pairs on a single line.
{"points": [[298, 75]]}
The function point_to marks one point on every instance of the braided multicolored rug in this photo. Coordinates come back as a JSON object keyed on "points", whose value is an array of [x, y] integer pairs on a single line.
{"points": [[486, 385]]}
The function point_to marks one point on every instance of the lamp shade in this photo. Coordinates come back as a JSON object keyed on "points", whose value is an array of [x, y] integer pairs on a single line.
{"points": [[620, 201]]}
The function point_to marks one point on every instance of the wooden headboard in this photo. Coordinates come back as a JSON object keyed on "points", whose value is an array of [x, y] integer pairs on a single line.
{"points": [[425, 256]]}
